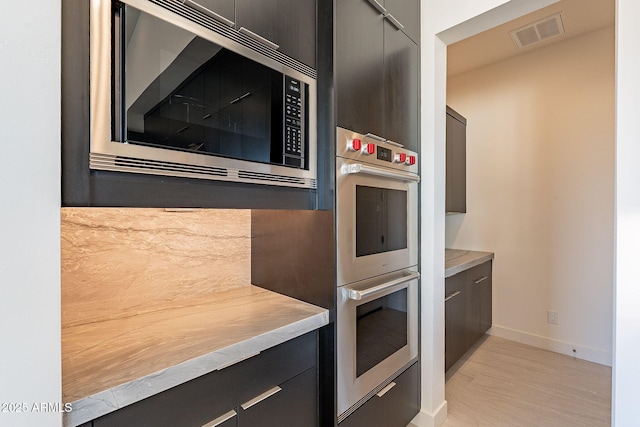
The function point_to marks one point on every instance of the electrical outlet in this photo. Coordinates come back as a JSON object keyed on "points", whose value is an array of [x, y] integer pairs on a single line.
{"points": [[552, 317]]}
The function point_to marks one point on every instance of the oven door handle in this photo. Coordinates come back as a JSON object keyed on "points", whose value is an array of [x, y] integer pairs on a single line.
{"points": [[372, 170], [360, 294]]}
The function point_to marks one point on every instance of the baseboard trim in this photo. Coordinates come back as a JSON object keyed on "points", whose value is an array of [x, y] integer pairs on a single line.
{"points": [[425, 419], [581, 352]]}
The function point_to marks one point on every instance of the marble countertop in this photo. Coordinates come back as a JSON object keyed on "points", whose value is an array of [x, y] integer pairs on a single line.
{"points": [[110, 364], [458, 260]]}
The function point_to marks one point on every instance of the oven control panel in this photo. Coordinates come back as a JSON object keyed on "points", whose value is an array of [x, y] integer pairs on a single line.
{"points": [[374, 150]]}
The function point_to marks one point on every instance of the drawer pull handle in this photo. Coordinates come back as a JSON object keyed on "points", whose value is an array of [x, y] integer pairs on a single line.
{"points": [[451, 295], [221, 419], [394, 21], [378, 6], [259, 38], [386, 389], [209, 13], [482, 279], [267, 394]]}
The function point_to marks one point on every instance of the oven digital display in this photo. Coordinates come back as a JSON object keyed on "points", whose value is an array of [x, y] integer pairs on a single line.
{"points": [[381, 220], [384, 154]]}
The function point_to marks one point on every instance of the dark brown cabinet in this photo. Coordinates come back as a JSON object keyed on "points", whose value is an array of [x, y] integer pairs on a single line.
{"points": [[291, 24], [468, 310], [275, 388], [377, 81], [393, 408], [456, 179], [407, 12]]}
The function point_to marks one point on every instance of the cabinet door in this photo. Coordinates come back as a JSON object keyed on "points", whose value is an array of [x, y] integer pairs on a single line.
{"points": [[291, 24], [359, 67], [293, 403], [455, 314], [407, 12], [480, 284], [401, 91], [391, 408], [224, 8], [456, 181]]}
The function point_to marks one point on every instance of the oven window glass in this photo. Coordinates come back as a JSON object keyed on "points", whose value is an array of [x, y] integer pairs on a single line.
{"points": [[183, 92], [381, 329], [381, 220]]}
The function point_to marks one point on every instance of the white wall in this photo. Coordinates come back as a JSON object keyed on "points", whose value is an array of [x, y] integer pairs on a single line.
{"points": [[443, 21], [540, 191], [29, 226], [626, 375]]}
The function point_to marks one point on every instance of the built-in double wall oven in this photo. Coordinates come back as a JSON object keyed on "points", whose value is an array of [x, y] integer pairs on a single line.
{"points": [[377, 256]]}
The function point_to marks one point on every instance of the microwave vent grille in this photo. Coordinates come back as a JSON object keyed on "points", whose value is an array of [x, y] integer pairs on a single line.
{"points": [[272, 178], [117, 163], [179, 8]]}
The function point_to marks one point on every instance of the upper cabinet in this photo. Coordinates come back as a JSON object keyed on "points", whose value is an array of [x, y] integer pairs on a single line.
{"points": [[377, 81], [290, 24], [286, 25], [456, 188], [407, 12]]}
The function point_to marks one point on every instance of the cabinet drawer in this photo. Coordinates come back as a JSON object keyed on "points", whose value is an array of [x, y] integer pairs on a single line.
{"points": [[293, 403], [395, 408], [203, 399]]}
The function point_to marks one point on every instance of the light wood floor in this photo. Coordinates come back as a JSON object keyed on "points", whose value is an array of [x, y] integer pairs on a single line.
{"points": [[504, 383]]}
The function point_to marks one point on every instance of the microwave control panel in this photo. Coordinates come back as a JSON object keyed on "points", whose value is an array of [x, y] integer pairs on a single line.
{"points": [[293, 117]]}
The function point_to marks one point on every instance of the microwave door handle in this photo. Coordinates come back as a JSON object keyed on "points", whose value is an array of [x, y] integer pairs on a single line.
{"points": [[360, 294], [372, 170]]}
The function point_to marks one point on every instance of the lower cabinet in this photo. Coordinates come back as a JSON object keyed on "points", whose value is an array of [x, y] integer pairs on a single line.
{"points": [[275, 388], [468, 310], [395, 408]]}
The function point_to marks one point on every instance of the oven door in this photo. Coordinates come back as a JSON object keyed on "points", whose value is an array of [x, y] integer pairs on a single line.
{"points": [[377, 335], [377, 224]]}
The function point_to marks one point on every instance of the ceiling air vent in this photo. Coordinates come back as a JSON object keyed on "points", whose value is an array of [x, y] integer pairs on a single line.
{"points": [[543, 29]]}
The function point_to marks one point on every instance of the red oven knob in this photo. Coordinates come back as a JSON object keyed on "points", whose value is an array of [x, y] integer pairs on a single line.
{"points": [[354, 145], [411, 160], [369, 148], [400, 158]]}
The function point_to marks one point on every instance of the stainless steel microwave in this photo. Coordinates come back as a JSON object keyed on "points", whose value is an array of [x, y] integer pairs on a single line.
{"points": [[177, 92]]}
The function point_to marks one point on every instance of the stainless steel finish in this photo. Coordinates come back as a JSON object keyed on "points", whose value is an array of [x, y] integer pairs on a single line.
{"points": [[451, 295], [108, 154], [482, 279], [386, 389], [356, 293], [352, 390], [373, 170], [395, 144], [267, 394], [344, 135], [374, 136], [394, 21], [259, 38], [378, 6], [383, 140], [221, 419], [210, 13]]}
